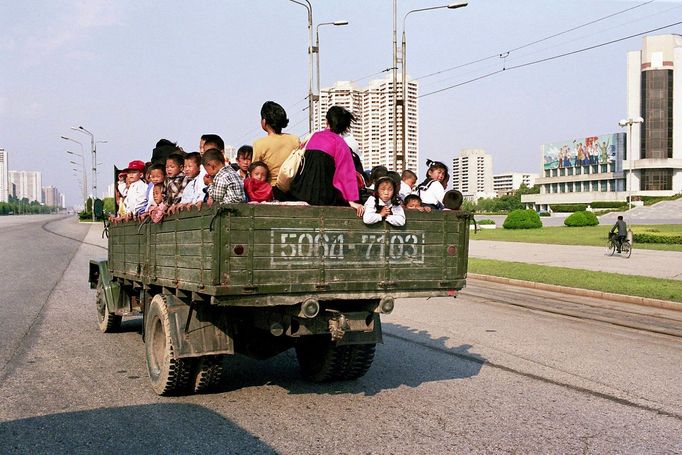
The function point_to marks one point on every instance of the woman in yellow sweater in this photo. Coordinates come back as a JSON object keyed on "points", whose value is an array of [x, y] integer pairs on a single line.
{"points": [[276, 147]]}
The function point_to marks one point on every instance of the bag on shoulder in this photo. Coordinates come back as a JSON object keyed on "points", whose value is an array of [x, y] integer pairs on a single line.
{"points": [[290, 168]]}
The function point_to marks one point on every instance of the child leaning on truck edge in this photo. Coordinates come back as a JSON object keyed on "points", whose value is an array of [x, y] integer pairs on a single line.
{"points": [[384, 204], [227, 187]]}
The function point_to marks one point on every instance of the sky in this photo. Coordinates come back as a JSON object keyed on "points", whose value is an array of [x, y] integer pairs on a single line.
{"points": [[133, 72]]}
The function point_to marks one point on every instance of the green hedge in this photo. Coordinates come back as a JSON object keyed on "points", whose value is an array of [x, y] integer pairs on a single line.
{"points": [[649, 237], [568, 208], [486, 221], [608, 204], [583, 218], [522, 219]]}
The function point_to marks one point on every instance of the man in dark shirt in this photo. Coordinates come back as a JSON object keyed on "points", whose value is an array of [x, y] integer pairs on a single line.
{"points": [[622, 231]]}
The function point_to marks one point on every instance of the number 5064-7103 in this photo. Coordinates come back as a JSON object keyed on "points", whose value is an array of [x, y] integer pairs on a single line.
{"points": [[299, 246]]}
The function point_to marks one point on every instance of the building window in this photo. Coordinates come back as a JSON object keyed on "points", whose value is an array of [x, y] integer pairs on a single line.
{"points": [[657, 109], [604, 168], [657, 179], [547, 172], [563, 171], [562, 188], [595, 169], [554, 187], [604, 187], [595, 185], [578, 171], [570, 171]]}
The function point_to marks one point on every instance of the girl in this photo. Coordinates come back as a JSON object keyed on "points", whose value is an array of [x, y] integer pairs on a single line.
{"points": [[256, 184], [432, 189], [384, 204]]}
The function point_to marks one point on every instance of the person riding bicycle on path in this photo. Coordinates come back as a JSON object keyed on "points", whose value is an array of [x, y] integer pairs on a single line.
{"points": [[622, 231]]}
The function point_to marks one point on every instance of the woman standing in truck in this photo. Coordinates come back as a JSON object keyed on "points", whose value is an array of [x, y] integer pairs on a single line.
{"points": [[327, 175], [274, 148]]}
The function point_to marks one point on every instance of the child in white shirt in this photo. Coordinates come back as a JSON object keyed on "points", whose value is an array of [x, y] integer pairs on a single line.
{"points": [[136, 199], [384, 204]]}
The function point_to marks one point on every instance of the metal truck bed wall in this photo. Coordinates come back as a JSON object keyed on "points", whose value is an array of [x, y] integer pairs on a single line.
{"points": [[270, 254]]}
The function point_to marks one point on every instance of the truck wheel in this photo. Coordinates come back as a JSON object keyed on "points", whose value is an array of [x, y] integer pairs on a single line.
{"points": [[208, 373], [321, 361], [168, 376], [108, 322]]}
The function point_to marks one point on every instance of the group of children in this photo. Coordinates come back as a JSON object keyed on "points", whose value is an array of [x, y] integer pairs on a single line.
{"points": [[175, 181]]}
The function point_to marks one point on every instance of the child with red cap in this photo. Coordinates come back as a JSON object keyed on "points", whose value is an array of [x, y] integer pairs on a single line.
{"points": [[135, 201]]}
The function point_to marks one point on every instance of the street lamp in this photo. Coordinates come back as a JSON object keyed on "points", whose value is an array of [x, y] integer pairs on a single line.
{"points": [[309, 8], [404, 78], [623, 123], [85, 175], [316, 50], [94, 162]]}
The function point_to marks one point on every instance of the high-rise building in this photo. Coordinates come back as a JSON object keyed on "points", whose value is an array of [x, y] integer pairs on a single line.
{"points": [[472, 174], [374, 129], [4, 176], [509, 182], [52, 197], [28, 184]]}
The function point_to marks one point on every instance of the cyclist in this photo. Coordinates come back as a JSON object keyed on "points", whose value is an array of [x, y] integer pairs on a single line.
{"points": [[622, 232]]}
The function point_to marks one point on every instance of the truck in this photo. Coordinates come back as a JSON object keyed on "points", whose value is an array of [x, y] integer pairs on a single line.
{"points": [[259, 279]]}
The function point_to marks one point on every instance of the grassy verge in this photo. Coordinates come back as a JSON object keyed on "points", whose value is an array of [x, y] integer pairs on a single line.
{"points": [[564, 235], [640, 286]]}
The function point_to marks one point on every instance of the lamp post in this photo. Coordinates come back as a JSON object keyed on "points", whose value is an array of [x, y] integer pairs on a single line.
{"points": [[403, 65], [85, 175], [93, 147], [309, 8], [316, 50], [623, 123]]}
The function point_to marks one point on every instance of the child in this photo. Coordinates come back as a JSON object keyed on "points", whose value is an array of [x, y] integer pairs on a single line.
{"points": [[157, 174], [244, 157], [227, 187], [256, 184], [175, 179], [194, 185], [414, 202], [384, 205], [407, 181], [452, 200], [158, 209], [431, 190], [136, 198]]}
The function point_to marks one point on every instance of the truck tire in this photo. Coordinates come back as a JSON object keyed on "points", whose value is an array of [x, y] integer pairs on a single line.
{"points": [[107, 322], [322, 361], [208, 375], [168, 376]]}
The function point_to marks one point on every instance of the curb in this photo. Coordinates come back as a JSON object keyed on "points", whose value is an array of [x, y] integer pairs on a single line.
{"points": [[643, 301]]}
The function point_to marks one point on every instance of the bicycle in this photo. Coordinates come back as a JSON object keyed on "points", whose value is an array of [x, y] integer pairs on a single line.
{"points": [[625, 246]]}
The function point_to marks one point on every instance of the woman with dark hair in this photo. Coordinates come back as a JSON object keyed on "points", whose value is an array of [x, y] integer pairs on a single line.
{"points": [[327, 175], [276, 147]]}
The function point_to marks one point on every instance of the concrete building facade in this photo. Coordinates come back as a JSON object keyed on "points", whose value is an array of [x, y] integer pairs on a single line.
{"points": [[4, 176], [644, 160], [52, 197], [374, 131], [472, 174], [28, 184], [504, 184]]}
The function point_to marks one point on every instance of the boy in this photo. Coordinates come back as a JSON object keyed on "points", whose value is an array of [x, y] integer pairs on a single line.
{"points": [[194, 186], [136, 199], [414, 202], [157, 174], [227, 187], [244, 157], [175, 179], [408, 181]]}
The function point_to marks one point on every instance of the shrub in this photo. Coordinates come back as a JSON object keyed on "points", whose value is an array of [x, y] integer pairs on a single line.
{"points": [[651, 237], [486, 221], [543, 213], [583, 218], [522, 219], [566, 208], [608, 204]]}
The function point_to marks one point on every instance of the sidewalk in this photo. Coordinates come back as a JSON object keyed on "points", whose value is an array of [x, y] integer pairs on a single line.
{"points": [[653, 263]]}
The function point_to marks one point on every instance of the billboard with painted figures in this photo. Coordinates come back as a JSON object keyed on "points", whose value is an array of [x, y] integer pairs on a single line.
{"points": [[585, 151]]}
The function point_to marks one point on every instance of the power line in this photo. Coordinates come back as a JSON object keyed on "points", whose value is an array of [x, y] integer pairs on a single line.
{"points": [[506, 53], [548, 59]]}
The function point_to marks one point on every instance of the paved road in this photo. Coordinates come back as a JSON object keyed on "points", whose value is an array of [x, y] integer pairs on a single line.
{"points": [[471, 375], [654, 263]]}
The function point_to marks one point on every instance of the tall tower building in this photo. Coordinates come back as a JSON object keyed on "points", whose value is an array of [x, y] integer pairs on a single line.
{"points": [[4, 176], [52, 197], [472, 174], [374, 130], [28, 184], [654, 77]]}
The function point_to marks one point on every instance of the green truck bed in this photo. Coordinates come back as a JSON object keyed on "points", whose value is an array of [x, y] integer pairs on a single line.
{"points": [[264, 255]]}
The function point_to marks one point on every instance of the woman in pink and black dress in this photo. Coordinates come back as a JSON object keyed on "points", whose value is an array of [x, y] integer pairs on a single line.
{"points": [[327, 175]]}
